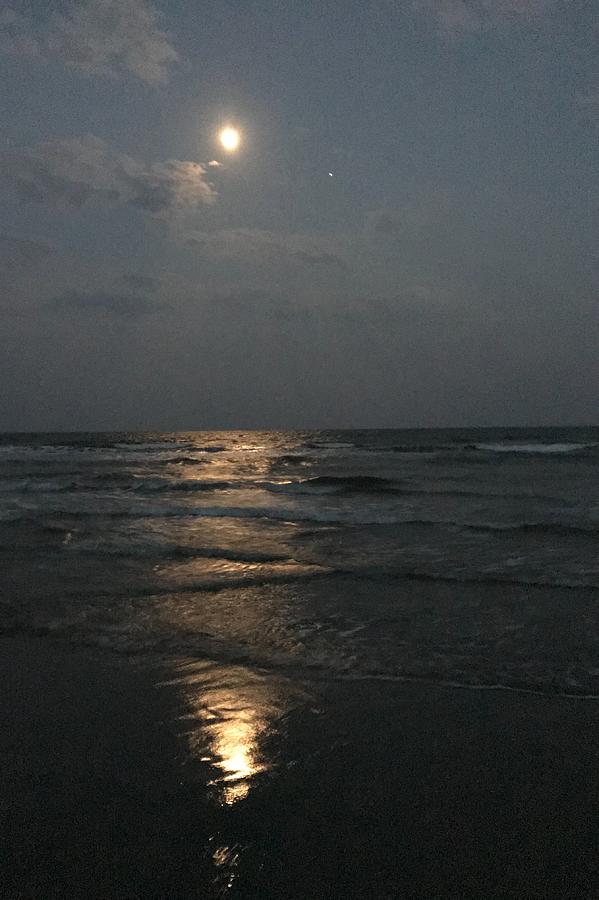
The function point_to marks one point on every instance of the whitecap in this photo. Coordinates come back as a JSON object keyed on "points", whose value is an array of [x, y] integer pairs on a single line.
{"points": [[533, 448]]}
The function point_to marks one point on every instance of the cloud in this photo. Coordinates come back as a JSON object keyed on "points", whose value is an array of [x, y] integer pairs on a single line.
{"points": [[386, 222], [107, 302], [456, 19], [452, 17], [140, 282], [23, 264], [588, 103], [265, 246], [100, 37], [86, 171], [36, 277], [316, 258], [18, 255], [16, 38]]}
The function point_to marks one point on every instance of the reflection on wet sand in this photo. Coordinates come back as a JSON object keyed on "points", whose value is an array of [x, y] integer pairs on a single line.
{"points": [[233, 729], [231, 712]]}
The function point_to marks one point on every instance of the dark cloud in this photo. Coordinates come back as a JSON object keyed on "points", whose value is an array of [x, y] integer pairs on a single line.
{"points": [[107, 302], [87, 170], [140, 282], [100, 37], [23, 265], [17, 254]]}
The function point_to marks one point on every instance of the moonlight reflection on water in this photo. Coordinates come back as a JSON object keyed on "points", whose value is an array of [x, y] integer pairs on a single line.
{"points": [[231, 712]]}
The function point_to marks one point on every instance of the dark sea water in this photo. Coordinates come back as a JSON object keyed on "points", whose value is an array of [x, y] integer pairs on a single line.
{"points": [[463, 556]]}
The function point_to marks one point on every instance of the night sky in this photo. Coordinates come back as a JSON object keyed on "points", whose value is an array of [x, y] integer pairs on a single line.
{"points": [[445, 273]]}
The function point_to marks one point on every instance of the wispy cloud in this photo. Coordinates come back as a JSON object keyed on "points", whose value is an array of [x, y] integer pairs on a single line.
{"points": [[109, 38], [455, 19], [129, 305], [254, 243], [87, 170]]}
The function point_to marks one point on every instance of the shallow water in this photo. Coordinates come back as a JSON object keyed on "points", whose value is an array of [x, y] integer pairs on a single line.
{"points": [[452, 555]]}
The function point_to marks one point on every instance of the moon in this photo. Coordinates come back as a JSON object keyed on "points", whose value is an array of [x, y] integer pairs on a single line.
{"points": [[230, 138]]}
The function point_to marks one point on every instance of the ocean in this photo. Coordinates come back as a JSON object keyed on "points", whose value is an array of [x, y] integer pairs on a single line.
{"points": [[457, 556]]}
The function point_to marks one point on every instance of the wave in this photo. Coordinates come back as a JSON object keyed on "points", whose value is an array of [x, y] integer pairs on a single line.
{"points": [[476, 577], [551, 690], [152, 446], [174, 552], [484, 495], [117, 481], [67, 483], [133, 481], [559, 528], [305, 650], [354, 516], [458, 449], [118, 453], [537, 448], [290, 458], [330, 445], [334, 484], [328, 663], [32, 485], [152, 512], [111, 477], [415, 448], [183, 461], [96, 456], [156, 486], [183, 452]]}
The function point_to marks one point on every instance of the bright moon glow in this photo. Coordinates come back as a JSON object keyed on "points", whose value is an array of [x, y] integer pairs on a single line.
{"points": [[229, 138]]}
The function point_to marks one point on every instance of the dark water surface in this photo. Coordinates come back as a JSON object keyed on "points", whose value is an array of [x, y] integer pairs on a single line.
{"points": [[301, 549], [261, 564]]}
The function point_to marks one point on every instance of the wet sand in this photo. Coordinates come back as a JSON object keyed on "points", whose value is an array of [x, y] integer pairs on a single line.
{"points": [[366, 789]]}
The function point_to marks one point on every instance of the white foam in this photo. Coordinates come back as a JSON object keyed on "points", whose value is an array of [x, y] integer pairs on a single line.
{"points": [[533, 448]]}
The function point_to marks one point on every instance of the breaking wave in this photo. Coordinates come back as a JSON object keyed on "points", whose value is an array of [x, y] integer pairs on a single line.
{"points": [[539, 448], [334, 484]]}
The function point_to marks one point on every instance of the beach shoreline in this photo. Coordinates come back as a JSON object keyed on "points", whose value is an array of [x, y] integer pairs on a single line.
{"points": [[379, 789]]}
